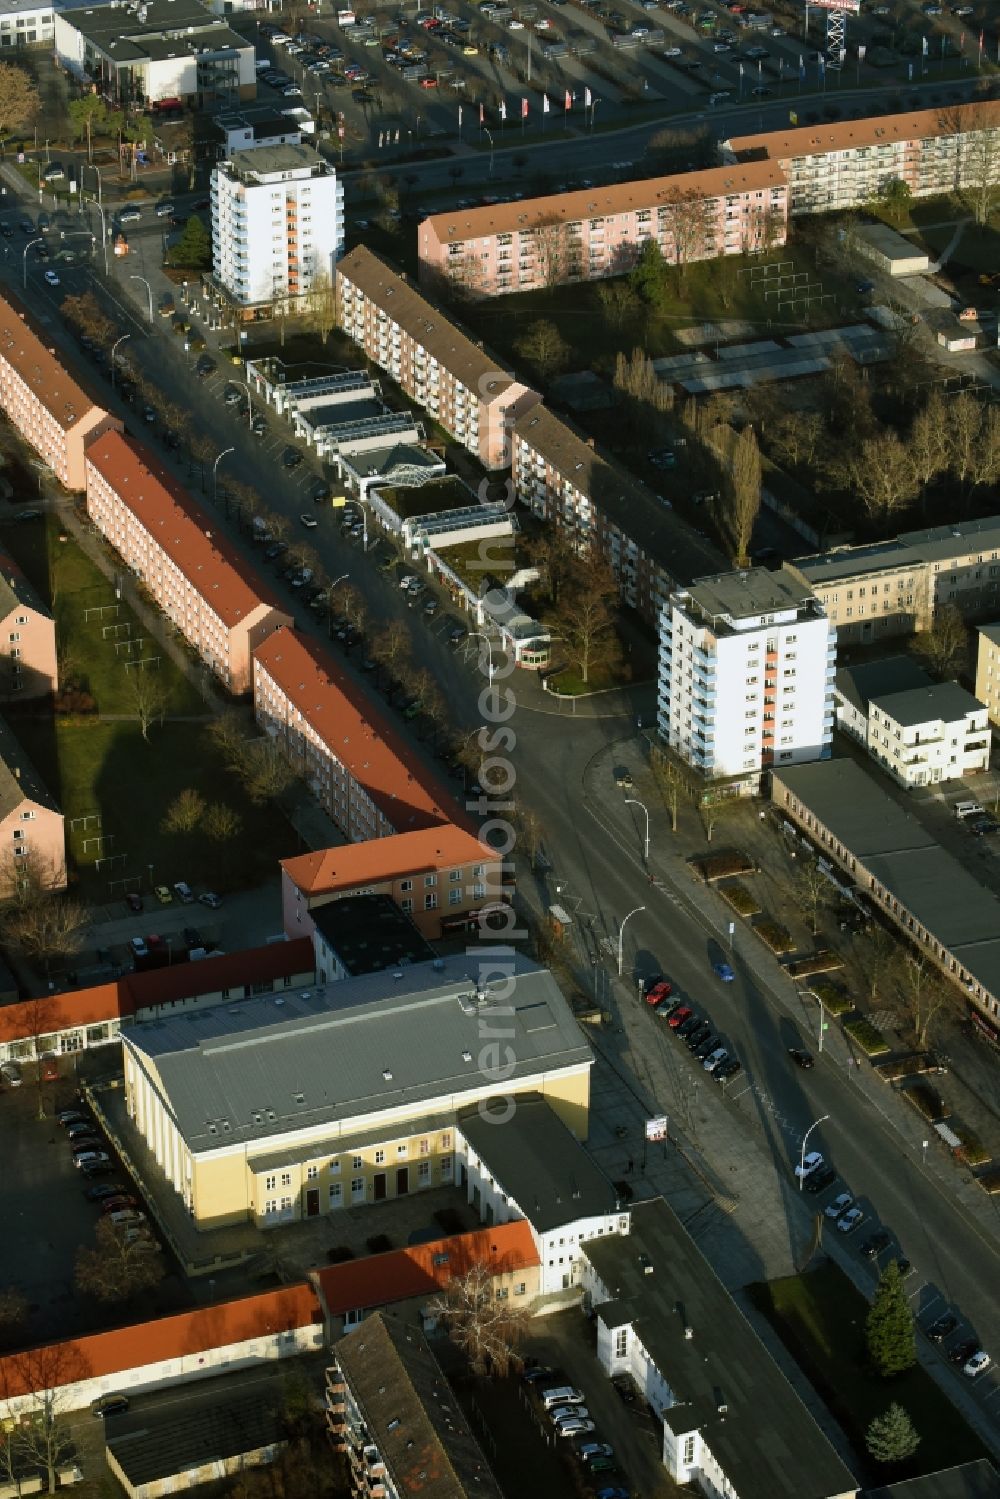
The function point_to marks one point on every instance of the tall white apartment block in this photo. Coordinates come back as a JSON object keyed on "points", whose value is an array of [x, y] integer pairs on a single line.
{"points": [[277, 223], [747, 664]]}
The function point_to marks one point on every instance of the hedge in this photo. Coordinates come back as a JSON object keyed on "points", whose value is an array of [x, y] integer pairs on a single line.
{"points": [[972, 1150], [927, 1101], [867, 1036], [835, 1002], [739, 897], [718, 866], [774, 935], [820, 962]]}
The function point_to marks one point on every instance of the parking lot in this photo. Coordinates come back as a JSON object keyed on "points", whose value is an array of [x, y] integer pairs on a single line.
{"points": [[47, 1217]]}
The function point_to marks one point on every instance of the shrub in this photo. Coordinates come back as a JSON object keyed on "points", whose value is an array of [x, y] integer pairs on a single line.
{"points": [[972, 1150], [835, 1001], [823, 961], [927, 1101], [718, 866], [739, 897], [867, 1036], [774, 935]]}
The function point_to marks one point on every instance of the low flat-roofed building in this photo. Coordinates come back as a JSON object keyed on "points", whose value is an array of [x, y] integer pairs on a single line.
{"points": [[254, 125], [518, 1159], [49, 408], [988, 670], [463, 874], [365, 934], [900, 868], [891, 251], [173, 1447], [978, 1480], [929, 735], [196, 576], [347, 750], [406, 1279], [392, 1412], [889, 588], [732, 1424], [28, 662], [348, 1091]]}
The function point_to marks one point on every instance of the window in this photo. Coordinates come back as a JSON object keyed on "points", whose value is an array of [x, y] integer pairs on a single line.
{"points": [[334, 1168], [402, 1151], [621, 1342], [380, 1157], [425, 1147], [270, 1182], [688, 1458], [286, 1178], [454, 897], [406, 884], [356, 1163], [430, 901], [430, 880], [454, 876], [311, 1173], [520, 1288], [424, 1173], [336, 1194]]}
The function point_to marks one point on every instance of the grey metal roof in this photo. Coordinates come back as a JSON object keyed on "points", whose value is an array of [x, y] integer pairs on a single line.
{"points": [[725, 1382], [538, 1162], [962, 914], [256, 1071], [284, 157], [201, 1426], [936, 544], [944, 701], [871, 679], [411, 1413]]}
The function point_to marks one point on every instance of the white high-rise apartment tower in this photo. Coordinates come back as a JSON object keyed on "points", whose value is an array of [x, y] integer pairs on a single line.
{"points": [[277, 223], [747, 663]]}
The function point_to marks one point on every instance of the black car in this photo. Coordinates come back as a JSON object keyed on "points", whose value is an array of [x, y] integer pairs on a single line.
{"points": [[192, 937], [687, 1026], [874, 1245], [291, 458], [801, 1058], [942, 1328], [963, 1351], [727, 1068], [702, 1049], [204, 367], [104, 1189], [320, 492], [819, 1180], [97, 1168], [698, 1034], [110, 1405]]}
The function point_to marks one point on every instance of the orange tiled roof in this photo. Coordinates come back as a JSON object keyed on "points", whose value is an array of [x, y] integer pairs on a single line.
{"points": [[355, 731], [457, 224], [182, 1336], [230, 588], [420, 1269], [877, 130], [55, 1012], [25, 347], [442, 847]]}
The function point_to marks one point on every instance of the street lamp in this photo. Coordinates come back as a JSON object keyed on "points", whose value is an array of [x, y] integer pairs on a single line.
{"points": [[149, 292], [96, 203], [246, 386], [329, 603], [805, 1138], [114, 346], [24, 259], [621, 935], [486, 132], [215, 470], [478, 635], [100, 181], [631, 801]]}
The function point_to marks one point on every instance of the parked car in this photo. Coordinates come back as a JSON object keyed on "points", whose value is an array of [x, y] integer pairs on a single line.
{"points": [[723, 971], [66, 1117], [568, 1413], [811, 1162], [291, 458], [102, 1192], [109, 1405], [657, 990], [713, 1059], [211, 900], [183, 892], [820, 1180], [118, 1202], [10, 1073], [79, 1128], [727, 1069], [874, 1245], [801, 1058], [562, 1395], [588, 1451], [95, 1168], [163, 895], [52, 277], [680, 1015], [977, 1364], [852, 1219], [133, 902], [962, 1352], [92, 1158], [571, 1427], [839, 1205], [942, 1327]]}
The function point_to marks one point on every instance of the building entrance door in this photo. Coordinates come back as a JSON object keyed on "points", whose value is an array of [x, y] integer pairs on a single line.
{"points": [[402, 1181], [312, 1202], [379, 1185]]}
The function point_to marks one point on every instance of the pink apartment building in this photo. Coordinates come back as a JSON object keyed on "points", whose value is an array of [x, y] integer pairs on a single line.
{"points": [[600, 231], [429, 357], [31, 825], [835, 166], [49, 409], [197, 578], [442, 877], [27, 638], [348, 753]]}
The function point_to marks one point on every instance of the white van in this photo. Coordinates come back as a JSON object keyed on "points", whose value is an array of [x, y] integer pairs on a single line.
{"points": [[563, 1394], [968, 809]]}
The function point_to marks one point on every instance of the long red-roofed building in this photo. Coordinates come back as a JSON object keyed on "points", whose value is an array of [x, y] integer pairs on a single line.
{"points": [[146, 1355], [461, 873], [197, 577], [356, 764]]}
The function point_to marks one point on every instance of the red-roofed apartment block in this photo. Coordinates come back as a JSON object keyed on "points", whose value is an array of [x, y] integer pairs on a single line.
{"points": [[441, 877], [350, 1292], [362, 774], [148, 1355], [83, 1018], [44, 403], [198, 579]]}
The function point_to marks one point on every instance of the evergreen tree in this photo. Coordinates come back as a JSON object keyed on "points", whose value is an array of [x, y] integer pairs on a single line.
{"points": [[891, 1438], [891, 1339], [651, 276], [193, 251]]}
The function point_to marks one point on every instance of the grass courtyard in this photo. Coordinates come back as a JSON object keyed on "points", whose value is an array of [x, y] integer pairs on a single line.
{"points": [[98, 764], [820, 1318]]}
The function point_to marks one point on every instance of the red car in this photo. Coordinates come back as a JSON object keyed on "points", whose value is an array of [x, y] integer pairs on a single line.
{"points": [[118, 1203], [658, 992], [679, 1017]]}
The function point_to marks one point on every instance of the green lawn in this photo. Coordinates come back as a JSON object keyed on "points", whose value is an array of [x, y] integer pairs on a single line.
{"points": [[94, 766], [820, 1318]]}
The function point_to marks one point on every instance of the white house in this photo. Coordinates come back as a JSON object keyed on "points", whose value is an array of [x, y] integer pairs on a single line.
{"points": [[517, 1159], [746, 673], [277, 224], [930, 734], [732, 1425]]}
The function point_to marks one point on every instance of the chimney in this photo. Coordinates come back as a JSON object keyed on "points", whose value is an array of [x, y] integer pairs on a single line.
{"points": [[17, 772]]}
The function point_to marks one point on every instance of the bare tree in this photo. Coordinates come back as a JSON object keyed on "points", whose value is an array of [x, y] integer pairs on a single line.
{"points": [[881, 473], [672, 781], [945, 645], [148, 697], [122, 1263], [881, 953], [810, 889], [33, 1407], [926, 992], [965, 416], [83, 313], [544, 347], [487, 1328], [584, 619], [319, 309], [687, 224], [979, 155], [185, 812], [391, 647], [550, 553], [928, 442], [619, 300], [795, 436], [49, 929]]}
